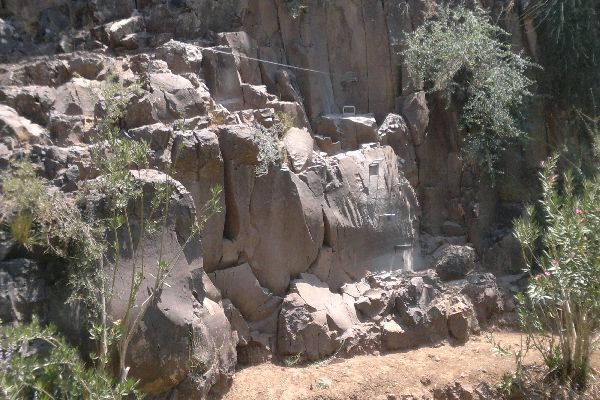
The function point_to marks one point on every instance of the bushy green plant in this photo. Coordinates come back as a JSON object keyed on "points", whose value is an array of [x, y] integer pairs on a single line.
{"points": [[296, 7], [36, 363], [561, 309], [460, 53], [269, 149], [50, 220], [270, 145]]}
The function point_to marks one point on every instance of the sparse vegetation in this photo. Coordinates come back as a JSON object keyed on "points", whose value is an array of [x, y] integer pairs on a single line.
{"points": [[50, 221], [560, 312], [92, 244], [292, 360], [269, 141], [121, 161], [462, 55], [36, 363], [297, 7]]}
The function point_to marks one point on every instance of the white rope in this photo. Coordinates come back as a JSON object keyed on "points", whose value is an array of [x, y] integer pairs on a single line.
{"points": [[353, 76]]}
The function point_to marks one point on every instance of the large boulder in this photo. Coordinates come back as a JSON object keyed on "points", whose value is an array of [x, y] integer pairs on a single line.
{"points": [[299, 148], [31, 102], [169, 98], [312, 319], [181, 57], [222, 77], [186, 324], [454, 262], [239, 285], [118, 31], [198, 165], [369, 212], [20, 128], [350, 130]]}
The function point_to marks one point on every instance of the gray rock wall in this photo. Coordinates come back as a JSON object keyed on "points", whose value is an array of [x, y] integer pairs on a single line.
{"points": [[353, 195]]}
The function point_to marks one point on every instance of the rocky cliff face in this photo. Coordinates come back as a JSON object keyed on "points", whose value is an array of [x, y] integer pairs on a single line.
{"points": [[381, 189]]}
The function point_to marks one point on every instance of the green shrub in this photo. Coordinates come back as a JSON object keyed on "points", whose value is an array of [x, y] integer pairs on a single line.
{"points": [[36, 363], [561, 309], [37, 216], [461, 53], [270, 145], [297, 7]]}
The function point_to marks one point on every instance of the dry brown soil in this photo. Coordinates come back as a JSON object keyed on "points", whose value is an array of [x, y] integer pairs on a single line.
{"points": [[412, 372]]}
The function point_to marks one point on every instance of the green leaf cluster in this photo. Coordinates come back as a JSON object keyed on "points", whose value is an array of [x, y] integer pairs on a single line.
{"points": [[36, 362], [269, 142], [461, 54], [561, 309]]}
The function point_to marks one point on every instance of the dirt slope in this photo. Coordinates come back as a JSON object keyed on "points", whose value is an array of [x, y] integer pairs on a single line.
{"points": [[413, 372]]}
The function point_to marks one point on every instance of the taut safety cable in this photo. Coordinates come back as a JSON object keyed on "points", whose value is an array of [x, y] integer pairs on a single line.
{"points": [[347, 75]]}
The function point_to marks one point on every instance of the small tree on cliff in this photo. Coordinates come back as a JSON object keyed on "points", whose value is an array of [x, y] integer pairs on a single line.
{"points": [[459, 53]]}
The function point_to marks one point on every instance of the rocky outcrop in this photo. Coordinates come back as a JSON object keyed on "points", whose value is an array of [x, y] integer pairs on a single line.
{"points": [[383, 312], [305, 259], [23, 290], [185, 343]]}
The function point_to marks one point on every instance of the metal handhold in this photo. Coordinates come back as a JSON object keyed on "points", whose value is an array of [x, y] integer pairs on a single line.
{"points": [[348, 111]]}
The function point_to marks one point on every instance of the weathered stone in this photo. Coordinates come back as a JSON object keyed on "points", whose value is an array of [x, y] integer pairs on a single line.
{"points": [[394, 337], [414, 109], [119, 30], [361, 339], [483, 292], [31, 102], [86, 65], [181, 57], [242, 44], [255, 96], [458, 326], [293, 210], [222, 77], [304, 332], [258, 350], [239, 285], [23, 290], [25, 131], [312, 318], [299, 147], [350, 131], [183, 308], [454, 262], [238, 323], [395, 133], [198, 163], [452, 392], [373, 302]]}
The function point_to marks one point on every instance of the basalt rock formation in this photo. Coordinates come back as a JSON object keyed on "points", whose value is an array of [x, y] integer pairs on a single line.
{"points": [[315, 257]]}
